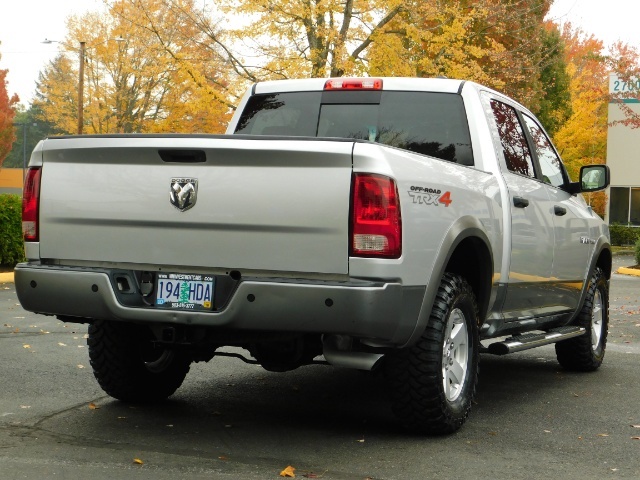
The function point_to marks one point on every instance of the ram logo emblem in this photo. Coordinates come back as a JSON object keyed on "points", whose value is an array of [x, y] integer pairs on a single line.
{"points": [[183, 193]]}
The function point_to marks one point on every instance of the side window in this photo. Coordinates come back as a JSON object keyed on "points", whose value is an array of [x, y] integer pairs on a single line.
{"points": [[513, 139], [429, 123], [550, 164]]}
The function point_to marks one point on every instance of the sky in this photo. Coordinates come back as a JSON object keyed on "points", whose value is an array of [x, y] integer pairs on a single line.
{"points": [[25, 24]]}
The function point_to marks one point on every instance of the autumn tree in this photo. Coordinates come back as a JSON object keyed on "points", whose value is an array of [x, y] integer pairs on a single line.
{"points": [[56, 95], [582, 139], [7, 113], [134, 80], [276, 39], [555, 101]]}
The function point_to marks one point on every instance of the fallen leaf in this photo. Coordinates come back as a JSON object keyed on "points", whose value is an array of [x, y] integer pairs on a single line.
{"points": [[223, 458], [635, 438], [603, 434], [137, 461], [93, 406], [288, 472], [17, 330], [361, 440], [62, 344], [25, 406], [635, 426], [26, 346], [80, 366]]}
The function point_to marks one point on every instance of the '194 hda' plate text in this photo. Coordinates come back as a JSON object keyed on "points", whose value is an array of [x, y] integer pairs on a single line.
{"points": [[184, 291]]}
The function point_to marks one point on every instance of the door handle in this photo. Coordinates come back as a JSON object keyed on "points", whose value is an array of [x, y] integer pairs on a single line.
{"points": [[559, 211], [520, 202]]}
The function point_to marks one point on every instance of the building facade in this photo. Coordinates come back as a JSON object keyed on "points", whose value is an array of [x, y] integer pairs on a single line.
{"points": [[623, 156]]}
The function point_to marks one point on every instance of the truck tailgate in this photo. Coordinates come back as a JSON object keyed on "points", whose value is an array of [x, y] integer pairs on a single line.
{"points": [[262, 204]]}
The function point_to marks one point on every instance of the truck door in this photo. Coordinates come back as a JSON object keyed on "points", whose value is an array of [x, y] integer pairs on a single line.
{"points": [[532, 228], [572, 249]]}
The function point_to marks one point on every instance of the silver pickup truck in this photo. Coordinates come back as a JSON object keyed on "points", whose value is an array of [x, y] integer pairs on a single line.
{"points": [[402, 225]]}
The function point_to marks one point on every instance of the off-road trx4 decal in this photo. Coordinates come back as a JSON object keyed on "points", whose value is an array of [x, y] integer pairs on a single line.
{"points": [[430, 196]]}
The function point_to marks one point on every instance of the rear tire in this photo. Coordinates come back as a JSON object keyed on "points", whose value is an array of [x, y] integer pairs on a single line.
{"points": [[433, 383], [130, 367], [586, 352]]}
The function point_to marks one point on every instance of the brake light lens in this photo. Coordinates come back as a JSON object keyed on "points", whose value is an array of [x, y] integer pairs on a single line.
{"points": [[31, 205], [376, 224], [353, 84]]}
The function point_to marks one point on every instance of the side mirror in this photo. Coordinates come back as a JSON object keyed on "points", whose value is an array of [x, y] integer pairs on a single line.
{"points": [[592, 179]]}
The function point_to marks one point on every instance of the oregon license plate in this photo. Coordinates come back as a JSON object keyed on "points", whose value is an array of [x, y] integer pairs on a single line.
{"points": [[184, 291]]}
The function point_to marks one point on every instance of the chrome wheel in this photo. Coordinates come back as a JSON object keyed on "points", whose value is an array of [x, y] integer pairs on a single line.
{"points": [[597, 317], [455, 355]]}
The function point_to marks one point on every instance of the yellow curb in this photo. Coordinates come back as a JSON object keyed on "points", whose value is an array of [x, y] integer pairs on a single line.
{"points": [[629, 271], [6, 277]]}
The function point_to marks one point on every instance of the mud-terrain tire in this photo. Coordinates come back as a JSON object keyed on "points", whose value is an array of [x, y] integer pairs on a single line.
{"points": [[433, 383], [129, 367], [586, 352]]}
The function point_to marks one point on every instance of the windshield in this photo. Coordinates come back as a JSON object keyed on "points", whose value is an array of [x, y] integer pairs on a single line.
{"points": [[428, 123]]}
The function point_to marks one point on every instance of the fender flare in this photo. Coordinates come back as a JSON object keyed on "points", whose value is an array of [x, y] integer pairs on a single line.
{"points": [[462, 229], [602, 245]]}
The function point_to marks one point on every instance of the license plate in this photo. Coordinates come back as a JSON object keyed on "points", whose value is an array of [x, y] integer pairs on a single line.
{"points": [[184, 291]]}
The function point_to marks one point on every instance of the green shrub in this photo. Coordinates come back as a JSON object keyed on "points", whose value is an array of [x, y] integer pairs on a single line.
{"points": [[624, 235], [11, 246], [637, 252]]}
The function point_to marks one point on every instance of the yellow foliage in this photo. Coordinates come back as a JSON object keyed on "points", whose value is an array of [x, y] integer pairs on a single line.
{"points": [[582, 140], [145, 71]]}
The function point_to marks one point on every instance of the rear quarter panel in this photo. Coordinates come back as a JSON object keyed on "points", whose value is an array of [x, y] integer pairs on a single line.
{"points": [[426, 218]]}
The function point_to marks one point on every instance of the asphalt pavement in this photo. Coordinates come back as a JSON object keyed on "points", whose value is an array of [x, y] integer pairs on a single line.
{"points": [[230, 420]]}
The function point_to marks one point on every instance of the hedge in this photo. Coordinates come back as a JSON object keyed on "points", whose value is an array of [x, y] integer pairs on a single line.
{"points": [[624, 235], [11, 246]]}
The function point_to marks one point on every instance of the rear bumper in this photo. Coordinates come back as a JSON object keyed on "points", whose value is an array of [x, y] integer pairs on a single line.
{"points": [[380, 311]]}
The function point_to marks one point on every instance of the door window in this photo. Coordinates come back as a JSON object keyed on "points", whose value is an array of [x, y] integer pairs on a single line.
{"points": [[550, 163], [514, 142]]}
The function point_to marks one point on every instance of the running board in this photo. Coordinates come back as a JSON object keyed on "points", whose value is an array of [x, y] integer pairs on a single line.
{"points": [[517, 343]]}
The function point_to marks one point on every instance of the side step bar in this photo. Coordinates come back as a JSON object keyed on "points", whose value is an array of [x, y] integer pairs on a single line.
{"points": [[517, 343]]}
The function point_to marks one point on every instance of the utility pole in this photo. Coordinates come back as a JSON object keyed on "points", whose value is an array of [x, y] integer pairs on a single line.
{"points": [[81, 89]]}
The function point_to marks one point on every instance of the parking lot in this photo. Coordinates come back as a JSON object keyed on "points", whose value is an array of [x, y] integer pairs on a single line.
{"points": [[231, 420]]}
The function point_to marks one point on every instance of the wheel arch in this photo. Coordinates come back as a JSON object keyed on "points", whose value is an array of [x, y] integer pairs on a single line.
{"points": [[603, 259], [466, 251]]}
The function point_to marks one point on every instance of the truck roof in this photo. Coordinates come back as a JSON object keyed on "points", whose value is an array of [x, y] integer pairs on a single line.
{"points": [[444, 85]]}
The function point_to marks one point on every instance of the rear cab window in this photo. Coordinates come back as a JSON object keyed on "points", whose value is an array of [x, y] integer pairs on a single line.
{"points": [[427, 123]]}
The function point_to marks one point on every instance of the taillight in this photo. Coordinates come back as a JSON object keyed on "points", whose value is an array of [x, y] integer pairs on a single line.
{"points": [[376, 227], [31, 205], [353, 84]]}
